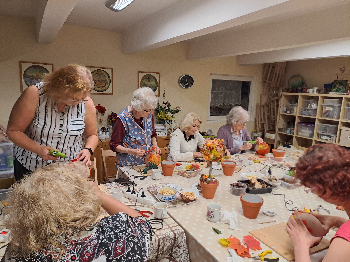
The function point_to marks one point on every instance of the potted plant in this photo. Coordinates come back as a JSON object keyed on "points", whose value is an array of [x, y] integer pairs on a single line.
{"points": [[209, 184], [165, 114]]}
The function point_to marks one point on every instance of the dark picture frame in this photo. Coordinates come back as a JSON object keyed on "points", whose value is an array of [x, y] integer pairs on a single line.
{"points": [[103, 78], [151, 80], [31, 73]]}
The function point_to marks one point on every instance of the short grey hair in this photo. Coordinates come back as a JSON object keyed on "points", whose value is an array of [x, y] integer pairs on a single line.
{"points": [[236, 113], [144, 98], [188, 119]]}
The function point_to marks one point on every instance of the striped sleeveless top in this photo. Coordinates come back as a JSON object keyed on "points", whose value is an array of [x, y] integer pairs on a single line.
{"points": [[63, 131]]}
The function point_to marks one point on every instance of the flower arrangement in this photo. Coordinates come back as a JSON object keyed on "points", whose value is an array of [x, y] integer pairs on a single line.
{"points": [[165, 113], [214, 150], [208, 179], [262, 149], [100, 109], [112, 117]]}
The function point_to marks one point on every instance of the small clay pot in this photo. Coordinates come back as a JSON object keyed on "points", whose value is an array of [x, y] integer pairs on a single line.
{"points": [[208, 190], [278, 152], [228, 167], [168, 167], [251, 205]]}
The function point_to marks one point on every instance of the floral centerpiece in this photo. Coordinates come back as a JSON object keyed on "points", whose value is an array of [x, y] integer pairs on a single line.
{"points": [[166, 114], [214, 150], [100, 109], [112, 117], [262, 149], [208, 179]]}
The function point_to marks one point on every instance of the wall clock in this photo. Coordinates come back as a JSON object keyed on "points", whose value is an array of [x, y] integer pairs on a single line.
{"points": [[186, 81]]}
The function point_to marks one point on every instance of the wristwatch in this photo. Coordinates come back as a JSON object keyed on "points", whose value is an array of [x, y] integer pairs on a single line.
{"points": [[88, 148]]}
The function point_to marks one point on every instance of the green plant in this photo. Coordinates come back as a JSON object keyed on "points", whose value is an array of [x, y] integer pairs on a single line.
{"points": [[165, 113]]}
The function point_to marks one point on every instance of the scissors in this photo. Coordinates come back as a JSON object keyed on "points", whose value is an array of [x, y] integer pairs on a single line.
{"points": [[143, 213]]}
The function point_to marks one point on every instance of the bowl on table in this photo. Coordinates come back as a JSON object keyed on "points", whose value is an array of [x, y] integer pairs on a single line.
{"points": [[166, 193], [189, 194]]}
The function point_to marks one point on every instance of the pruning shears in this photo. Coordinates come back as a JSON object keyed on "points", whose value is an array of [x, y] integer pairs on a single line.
{"points": [[263, 258], [54, 152]]}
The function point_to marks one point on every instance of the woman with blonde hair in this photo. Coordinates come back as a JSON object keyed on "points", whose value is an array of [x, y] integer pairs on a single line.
{"points": [[134, 132], [53, 215], [56, 113], [185, 140]]}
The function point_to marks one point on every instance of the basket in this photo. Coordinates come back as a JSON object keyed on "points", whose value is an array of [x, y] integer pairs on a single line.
{"points": [[187, 199]]}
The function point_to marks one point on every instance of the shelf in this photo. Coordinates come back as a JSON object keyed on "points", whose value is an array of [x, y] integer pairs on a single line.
{"points": [[287, 114], [307, 116], [331, 119], [310, 138], [287, 99], [285, 134]]}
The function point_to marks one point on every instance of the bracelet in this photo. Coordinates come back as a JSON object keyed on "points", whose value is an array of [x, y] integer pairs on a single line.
{"points": [[90, 150]]}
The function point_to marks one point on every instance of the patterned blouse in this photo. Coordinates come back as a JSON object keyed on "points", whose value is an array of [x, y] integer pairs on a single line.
{"points": [[116, 238]]}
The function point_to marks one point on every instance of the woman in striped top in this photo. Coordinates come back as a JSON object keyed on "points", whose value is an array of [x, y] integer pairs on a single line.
{"points": [[55, 114]]}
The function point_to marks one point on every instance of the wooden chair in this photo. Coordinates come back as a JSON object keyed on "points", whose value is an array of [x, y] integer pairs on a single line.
{"points": [[109, 168]]}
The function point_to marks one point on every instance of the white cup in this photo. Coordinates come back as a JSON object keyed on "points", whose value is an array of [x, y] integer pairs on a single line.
{"points": [[315, 89], [156, 174], [160, 210], [310, 90], [214, 212]]}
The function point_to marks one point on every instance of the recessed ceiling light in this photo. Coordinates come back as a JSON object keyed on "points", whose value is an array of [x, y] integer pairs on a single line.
{"points": [[118, 5]]}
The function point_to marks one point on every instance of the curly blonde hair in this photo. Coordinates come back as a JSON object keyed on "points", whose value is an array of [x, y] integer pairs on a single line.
{"points": [[68, 80], [49, 207], [188, 120]]}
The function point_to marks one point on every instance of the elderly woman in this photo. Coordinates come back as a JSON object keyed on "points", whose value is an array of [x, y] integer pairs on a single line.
{"points": [[235, 133], [134, 133], [54, 217], [186, 140], [325, 169], [56, 114]]}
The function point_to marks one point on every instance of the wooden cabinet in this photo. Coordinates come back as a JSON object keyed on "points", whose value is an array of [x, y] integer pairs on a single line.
{"points": [[328, 119]]}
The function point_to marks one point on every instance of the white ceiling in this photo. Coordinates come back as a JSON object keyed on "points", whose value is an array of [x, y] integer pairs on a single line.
{"points": [[212, 28]]}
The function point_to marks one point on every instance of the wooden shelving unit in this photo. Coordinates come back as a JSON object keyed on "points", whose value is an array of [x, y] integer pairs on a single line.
{"points": [[293, 117]]}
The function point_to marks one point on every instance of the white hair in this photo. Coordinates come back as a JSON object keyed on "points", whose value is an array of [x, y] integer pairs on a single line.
{"points": [[144, 98], [237, 112], [188, 120]]}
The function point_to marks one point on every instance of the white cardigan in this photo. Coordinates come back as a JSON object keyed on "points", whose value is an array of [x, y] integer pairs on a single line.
{"points": [[182, 150]]}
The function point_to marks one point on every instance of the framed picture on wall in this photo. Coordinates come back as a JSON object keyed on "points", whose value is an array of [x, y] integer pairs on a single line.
{"points": [[151, 80], [103, 78], [31, 73]]}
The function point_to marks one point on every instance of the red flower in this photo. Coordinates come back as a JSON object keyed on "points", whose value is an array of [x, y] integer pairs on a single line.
{"points": [[100, 109]]}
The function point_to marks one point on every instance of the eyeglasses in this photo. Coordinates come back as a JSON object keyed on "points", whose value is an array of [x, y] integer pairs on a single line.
{"points": [[72, 100], [148, 111], [242, 123]]}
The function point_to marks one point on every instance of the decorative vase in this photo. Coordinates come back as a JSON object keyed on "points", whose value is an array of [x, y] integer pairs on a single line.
{"points": [[228, 167], [208, 190], [251, 205], [168, 167], [262, 149]]}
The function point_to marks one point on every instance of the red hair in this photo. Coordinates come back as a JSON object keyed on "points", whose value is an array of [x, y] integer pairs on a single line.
{"points": [[326, 166]]}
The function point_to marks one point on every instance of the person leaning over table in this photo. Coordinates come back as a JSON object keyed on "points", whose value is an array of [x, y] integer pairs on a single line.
{"points": [[325, 169], [56, 113], [134, 132], [54, 217], [185, 140], [235, 133]]}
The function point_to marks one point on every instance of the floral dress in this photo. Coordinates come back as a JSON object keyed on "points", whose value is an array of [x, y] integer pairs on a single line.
{"points": [[115, 238]]}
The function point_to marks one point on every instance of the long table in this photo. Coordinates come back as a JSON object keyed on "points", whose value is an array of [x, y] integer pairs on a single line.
{"points": [[202, 241]]}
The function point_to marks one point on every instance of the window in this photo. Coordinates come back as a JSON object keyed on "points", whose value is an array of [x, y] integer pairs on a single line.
{"points": [[227, 91]]}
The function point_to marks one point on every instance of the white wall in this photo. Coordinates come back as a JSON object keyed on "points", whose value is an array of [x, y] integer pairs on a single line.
{"points": [[317, 72], [103, 48]]}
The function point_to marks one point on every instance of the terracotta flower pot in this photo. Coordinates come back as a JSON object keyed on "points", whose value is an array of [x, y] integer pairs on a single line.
{"points": [[208, 190], [278, 152], [251, 205], [168, 167], [228, 167]]}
